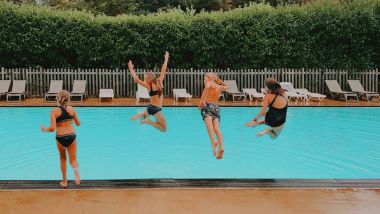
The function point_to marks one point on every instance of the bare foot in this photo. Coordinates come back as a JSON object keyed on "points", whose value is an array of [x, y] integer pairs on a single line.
{"points": [[253, 123], [264, 132], [63, 184], [220, 153], [145, 121], [135, 117], [77, 176], [214, 149]]}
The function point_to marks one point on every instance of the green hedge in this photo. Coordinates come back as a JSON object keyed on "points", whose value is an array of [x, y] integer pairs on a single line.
{"points": [[323, 35]]}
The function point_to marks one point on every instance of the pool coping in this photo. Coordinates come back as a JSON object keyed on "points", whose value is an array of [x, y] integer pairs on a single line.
{"points": [[194, 183]]}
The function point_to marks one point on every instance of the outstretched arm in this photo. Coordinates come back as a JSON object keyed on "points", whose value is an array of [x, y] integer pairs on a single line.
{"points": [[134, 75], [52, 126], [164, 67], [263, 109]]}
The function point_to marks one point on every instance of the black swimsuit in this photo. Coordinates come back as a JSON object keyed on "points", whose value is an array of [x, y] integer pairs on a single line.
{"points": [[67, 139], [276, 117], [152, 109]]}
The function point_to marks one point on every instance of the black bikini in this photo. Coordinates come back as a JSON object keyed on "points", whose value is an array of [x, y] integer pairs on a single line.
{"points": [[275, 117], [152, 109], [67, 139]]}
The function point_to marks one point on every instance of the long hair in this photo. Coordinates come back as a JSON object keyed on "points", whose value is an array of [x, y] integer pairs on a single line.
{"points": [[63, 98], [273, 86], [154, 80]]}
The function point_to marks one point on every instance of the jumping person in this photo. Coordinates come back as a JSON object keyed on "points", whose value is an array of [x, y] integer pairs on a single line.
{"points": [[155, 88], [277, 105], [210, 110], [61, 120]]}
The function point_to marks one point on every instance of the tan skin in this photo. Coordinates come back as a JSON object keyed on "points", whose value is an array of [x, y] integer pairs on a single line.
{"points": [[211, 94], [280, 103], [62, 129], [156, 100]]}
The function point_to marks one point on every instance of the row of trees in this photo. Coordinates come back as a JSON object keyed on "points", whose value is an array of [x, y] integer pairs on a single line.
{"points": [[117, 7]]}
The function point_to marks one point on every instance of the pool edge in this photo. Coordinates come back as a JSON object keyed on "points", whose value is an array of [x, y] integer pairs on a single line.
{"points": [[169, 183]]}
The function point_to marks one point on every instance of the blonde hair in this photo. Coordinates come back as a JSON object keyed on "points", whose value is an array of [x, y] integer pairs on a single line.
{"points": [[63, 98], [152, 77]]}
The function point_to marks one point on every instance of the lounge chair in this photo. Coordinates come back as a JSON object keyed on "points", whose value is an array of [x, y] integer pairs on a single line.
{"points": [[310, 95], [181, 93], [263, 91], [55, 87], [233, 90], [290, 92], [106, 94], [4, 87], [337, 92], [253, 94], [357, 87], [79, 89], [141, 93], [18, 90]]}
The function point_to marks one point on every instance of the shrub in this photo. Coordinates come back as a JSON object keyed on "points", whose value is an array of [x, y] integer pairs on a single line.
{"points": [[321, 35]]}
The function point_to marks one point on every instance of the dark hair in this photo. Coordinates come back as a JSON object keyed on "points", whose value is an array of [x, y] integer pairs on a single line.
{"points": [[273, 86]]}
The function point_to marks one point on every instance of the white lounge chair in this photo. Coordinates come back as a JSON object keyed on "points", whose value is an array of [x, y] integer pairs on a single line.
{"points": [[4, 87], [181, 93], [18, 90], [310, 95], [55, 87], [253, 94], [233, 90], [106, 94], [337, 92], [79, 89], [290, 92], [263, 91], [141, 93], [357, 87]]}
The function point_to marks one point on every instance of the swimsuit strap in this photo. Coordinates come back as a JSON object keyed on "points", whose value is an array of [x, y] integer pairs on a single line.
{"points": [[273, 100]]}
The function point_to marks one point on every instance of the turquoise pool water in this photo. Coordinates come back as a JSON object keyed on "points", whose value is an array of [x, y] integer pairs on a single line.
{"points": [[318, 142]]}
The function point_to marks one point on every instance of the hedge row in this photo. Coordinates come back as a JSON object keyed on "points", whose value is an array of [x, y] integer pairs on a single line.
{"points": [[323, 35]]}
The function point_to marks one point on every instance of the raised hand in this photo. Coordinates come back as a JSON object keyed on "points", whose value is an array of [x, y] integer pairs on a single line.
{"points": [[166, 56], [130, 65]]}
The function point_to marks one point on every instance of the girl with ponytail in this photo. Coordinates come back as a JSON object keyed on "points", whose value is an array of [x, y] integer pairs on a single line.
{"points": [[155, 88], [276, 104], [61, 121]]}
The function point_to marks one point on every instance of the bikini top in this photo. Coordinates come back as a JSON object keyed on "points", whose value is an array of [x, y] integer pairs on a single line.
{"points": [[65, 116], [153, 93]]}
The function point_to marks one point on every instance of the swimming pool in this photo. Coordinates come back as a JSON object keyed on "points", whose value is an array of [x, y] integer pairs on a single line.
{"points": [[317, 142]]}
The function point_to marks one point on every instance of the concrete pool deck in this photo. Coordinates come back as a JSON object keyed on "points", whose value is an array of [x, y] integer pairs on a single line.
{"points": [[172, 102], [220, 201]]}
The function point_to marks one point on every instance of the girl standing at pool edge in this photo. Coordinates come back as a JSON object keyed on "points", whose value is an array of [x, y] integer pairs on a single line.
{"points": [[155, 88], [61, 120], [277, 105], [210, 110]]}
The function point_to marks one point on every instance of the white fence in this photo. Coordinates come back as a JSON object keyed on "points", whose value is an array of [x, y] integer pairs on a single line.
{"points": [[192, 79]]}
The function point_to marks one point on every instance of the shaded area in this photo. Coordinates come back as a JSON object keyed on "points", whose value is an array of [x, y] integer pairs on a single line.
{"points": [[197, 183]]}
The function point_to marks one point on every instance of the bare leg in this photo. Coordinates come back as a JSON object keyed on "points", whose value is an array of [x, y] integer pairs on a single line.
{"points": [[210, 130], [218, 133], [62, 155], [275, 131], [160, 123], [263, 132], [139, 115], [72, 150], [255, 123]]}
